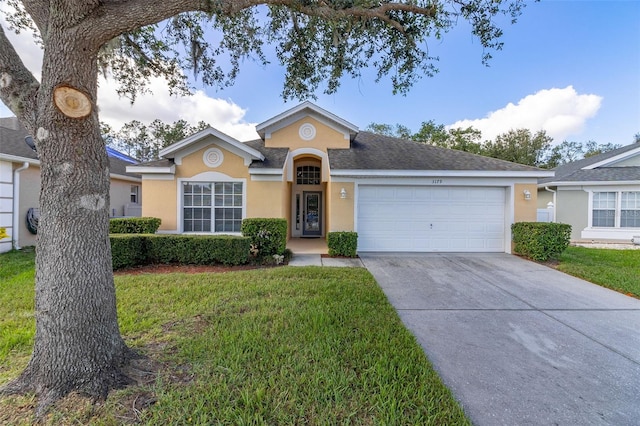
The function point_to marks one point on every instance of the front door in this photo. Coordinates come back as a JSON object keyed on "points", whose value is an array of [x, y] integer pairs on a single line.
{"points": [[312, 214]]}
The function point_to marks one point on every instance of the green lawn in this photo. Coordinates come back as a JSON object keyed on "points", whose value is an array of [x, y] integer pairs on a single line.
{"points": [[616, 269], [272, 346]]}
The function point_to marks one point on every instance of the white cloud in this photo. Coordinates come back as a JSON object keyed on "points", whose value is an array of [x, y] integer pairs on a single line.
{"points": [[222, 114], [559, 112]]}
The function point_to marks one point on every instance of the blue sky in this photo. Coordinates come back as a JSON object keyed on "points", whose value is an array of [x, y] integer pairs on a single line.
{"points": [[570, 67]]}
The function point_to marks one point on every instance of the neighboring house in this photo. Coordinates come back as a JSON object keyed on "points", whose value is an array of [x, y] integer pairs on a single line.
{"points": [[317, 171], [20, 185], [598, 196]]}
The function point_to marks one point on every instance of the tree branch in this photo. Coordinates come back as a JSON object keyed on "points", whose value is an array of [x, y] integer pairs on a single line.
{"points": [[18, 86], [116, 17], [39, 13]]}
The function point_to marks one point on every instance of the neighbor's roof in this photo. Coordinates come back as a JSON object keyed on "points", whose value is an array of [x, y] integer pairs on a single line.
{"points": [[583, 170], [14, 148]]}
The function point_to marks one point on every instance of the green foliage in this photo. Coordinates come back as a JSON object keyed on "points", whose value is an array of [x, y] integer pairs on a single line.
{"points": [[145, 142], [519, 146], [268, 235], [142, 249], [134, 225], [614, 269], [342, 243], [540, 241], [128, 250]]}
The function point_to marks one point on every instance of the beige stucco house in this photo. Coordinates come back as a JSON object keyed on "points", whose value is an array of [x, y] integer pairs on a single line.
{"points": [[320, 173], [598, 196], [20, 186]]}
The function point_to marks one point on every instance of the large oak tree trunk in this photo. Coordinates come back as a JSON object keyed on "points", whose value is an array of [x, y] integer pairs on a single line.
{"points": [[77, 346]]}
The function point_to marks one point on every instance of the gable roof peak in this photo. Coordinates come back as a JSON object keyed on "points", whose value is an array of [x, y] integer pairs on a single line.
{"points": [[298, 112]]}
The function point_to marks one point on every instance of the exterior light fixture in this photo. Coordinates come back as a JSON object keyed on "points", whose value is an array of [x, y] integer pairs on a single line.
{"points": [[527, 194], [343, 193]]}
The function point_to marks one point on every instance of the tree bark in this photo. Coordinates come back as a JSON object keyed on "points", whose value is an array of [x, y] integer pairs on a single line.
{"points": [[78, 346]]}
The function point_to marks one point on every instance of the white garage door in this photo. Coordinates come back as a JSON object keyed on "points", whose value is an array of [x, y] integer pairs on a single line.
{"points": [[424, 219]]}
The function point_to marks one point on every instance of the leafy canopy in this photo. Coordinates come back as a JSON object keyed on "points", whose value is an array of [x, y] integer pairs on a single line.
{"points": [[317, 41]]}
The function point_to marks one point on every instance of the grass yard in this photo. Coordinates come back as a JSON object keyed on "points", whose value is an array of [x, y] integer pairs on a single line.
{"points": [[615, 269], [280, 346]]}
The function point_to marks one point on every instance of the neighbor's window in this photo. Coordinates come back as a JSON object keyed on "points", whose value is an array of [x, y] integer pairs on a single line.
{"points": [[135, 189], [630, 210], [212, 205], [604, 209], [308, 175]]}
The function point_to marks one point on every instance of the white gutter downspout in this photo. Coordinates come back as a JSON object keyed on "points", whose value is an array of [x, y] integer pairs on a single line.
{"points": [[555, 204], [16, 204]]}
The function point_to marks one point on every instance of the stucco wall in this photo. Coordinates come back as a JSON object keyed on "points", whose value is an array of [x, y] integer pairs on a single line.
{"points": [[341, 210], [265, 199], [525, 210], [289, 137], [120, 196], [572, 207], [160, 197], [193, 164]]}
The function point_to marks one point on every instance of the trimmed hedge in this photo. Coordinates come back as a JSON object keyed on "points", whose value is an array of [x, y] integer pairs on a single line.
{"points": [[268, 235], [134, 225], [128, 250], [342, 243], [143, 249], [540, 241]]}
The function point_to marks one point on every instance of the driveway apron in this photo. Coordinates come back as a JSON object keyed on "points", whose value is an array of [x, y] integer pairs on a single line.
{"points": [[519, 343]]}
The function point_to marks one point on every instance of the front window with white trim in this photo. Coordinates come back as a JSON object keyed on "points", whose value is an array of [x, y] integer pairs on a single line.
{"points": [[619, 209], [211, 206], [630, 210], [604, 209]]}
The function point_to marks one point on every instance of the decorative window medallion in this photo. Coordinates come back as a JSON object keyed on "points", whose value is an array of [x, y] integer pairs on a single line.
{"points": [[307, 131], [213, 157]]}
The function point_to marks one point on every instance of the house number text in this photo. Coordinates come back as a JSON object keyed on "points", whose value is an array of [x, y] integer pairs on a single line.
{"points": [[436, 181]]}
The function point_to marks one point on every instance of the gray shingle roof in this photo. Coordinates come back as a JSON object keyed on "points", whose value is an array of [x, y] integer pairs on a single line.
{"points": [[370, 151], [573, 172], [274, 158], [12, 143]]}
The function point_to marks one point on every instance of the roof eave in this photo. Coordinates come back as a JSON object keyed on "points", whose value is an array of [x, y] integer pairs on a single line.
{"points": [[144, 170], [440, 173]]}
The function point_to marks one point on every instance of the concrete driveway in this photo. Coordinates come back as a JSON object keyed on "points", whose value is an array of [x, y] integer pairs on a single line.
{"points": [[516, 342]]}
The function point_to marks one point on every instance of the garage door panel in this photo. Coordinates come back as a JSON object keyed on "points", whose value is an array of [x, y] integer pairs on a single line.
{"points": [[420, 218]]}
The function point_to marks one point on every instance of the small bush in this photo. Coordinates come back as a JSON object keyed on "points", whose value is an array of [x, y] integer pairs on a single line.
{"points": [[134, 225], [268, 236], [144, 249], [342, 243], [540, 241]]}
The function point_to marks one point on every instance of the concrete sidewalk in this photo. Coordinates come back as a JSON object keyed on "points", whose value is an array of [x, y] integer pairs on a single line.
{"points": [[318, 260]]}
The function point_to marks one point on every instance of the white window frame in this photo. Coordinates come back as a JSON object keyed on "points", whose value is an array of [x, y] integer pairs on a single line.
{"points": [[613, 233], [135, 192], [208, 177]]}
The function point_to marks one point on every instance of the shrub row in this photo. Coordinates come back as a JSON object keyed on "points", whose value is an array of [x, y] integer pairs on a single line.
{"points": [[342, 243], [134, 225], [268, 235], [142, 249], [540, 241]]}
